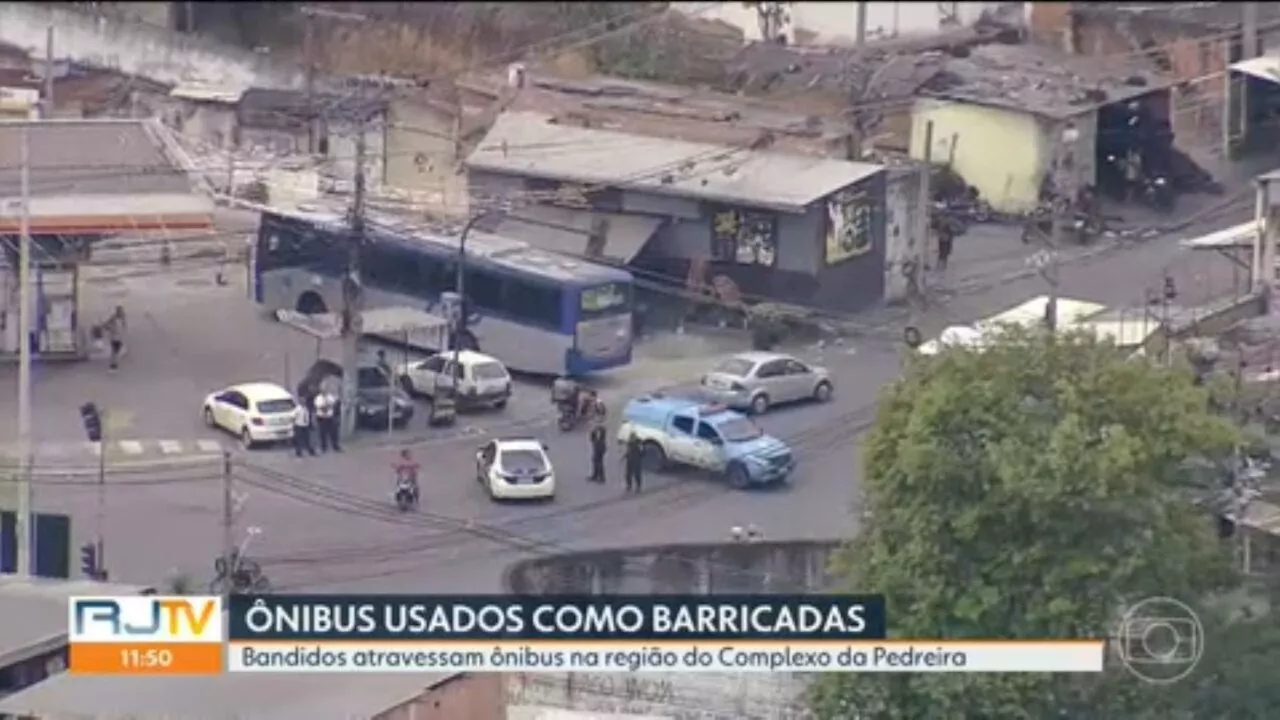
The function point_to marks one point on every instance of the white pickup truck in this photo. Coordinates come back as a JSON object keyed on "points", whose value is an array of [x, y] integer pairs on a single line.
{"points": [[684, 432]]}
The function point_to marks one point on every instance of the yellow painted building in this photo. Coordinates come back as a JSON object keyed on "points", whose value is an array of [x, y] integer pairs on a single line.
{"points": [[1001, 152]]}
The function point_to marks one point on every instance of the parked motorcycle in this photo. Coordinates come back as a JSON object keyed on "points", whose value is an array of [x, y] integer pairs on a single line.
{"points": [[574, 413], [406, 495]]}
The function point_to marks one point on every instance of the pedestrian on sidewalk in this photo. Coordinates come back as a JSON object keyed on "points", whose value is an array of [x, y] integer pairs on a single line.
{"points": [[598, 447], [114, 328], [631, 461], [327, 421], [302, 432], [945, 241]]}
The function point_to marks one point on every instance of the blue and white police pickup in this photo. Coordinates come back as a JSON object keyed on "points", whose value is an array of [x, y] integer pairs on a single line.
{"points": [[680, 431]]}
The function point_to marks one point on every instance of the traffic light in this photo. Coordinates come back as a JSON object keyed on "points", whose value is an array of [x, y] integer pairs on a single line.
{"points": [[92, 420], [89, 560]]}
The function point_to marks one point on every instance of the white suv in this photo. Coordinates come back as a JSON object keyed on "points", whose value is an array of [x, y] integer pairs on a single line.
{"points": [[482, 381]]}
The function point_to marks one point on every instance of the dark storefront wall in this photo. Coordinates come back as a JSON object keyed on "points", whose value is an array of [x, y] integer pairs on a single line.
{"points": [[802, 273]]}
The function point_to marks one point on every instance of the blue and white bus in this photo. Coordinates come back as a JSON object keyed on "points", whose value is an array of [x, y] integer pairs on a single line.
{"points": [[537, 312]]}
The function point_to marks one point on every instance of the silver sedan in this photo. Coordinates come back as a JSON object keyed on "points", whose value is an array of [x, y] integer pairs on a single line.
{"points": [[755, 381]]}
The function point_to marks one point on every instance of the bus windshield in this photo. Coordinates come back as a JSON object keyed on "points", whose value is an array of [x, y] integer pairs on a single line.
{"points": [[608, 299]]}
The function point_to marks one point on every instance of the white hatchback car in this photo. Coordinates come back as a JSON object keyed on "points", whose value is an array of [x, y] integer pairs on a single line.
{"points": [[256, 412], [516, 469], [483, 381]]}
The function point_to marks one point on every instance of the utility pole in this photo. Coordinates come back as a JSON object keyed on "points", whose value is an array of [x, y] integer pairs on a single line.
{"points": [[861, 33], [309, 48], [102, 494], [924, 204], [46, 106], [228, 527], [353, 289], [459, 317], [1063, 205], [1250, 46], [22, 526], [308, 51]]}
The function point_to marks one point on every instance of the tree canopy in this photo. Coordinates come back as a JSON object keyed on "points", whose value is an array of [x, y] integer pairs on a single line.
{"points": [[1030, 490]]}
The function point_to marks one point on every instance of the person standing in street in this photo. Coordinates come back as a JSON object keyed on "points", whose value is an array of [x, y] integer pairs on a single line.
{"points": [[114, 329], [598, 446], [631, 461], [302, 431], [327, 420]]}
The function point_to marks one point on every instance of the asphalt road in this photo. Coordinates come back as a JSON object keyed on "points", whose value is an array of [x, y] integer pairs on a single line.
{"points": [[328, 523]]}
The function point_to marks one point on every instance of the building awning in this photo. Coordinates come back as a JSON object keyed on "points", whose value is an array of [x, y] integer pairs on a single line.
{"points": [[109, 214], [565, 231], [1266, 68]]}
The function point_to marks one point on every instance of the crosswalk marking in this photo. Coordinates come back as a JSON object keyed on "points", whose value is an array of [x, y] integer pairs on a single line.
{"points": [[131, 447], [95, 448], [209, 446], [170, 447]]}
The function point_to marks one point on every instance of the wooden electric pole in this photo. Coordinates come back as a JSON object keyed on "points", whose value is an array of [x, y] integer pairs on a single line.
{"points": [[353, 287], [309, 48]]}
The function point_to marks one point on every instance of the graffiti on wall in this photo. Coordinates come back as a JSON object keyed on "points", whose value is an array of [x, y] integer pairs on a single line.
{"points": [[849, 226], [744, 237]]}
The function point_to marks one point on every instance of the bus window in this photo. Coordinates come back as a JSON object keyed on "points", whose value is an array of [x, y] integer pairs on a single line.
{"points": [[390, 267], [533, 303], [437, 275], [607, 299], [484, 290]]}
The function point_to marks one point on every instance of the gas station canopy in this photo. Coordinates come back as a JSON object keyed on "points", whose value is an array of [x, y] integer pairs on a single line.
{"points": [[98, 177]]}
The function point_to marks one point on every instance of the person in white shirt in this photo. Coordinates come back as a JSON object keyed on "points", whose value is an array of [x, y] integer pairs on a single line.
{"points": [[327, 421], [302, 431]]}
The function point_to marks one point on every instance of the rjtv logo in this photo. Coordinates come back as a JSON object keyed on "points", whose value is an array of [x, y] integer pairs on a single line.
{"points": [[154, 618]]}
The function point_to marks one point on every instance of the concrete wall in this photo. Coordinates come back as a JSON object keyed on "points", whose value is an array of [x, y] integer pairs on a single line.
{"points": [[138, 48], [787, 567], [421, 157], [1000, 152], [692, 696], [836, 22], [778, 567]]}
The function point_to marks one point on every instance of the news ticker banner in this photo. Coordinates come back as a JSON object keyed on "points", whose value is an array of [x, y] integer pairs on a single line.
{"points": [[158, 635]]}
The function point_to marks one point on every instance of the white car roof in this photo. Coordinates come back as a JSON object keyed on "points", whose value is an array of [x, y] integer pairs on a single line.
{"points": [[756, 358], [471, 357], [260, 391], [519, 444]]}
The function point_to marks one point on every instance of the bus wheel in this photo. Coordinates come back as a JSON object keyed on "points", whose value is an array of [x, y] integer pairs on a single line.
{"points": [[310, 303]]}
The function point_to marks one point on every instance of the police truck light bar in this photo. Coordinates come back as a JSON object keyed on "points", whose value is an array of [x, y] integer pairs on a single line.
{"points": [[654, 633]]}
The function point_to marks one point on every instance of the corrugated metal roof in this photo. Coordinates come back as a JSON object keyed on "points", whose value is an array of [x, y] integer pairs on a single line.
{"points": [[566, 231], [1263, 517], [1042, 81], [88, 157], [1032, 312], [200, 92], [1266, 67], [528, 145], [1241, 235]]}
